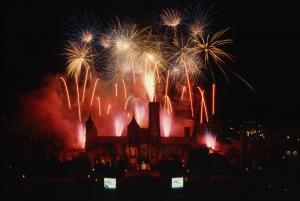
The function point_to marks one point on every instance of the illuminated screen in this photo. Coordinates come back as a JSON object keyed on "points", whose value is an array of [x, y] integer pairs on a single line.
{"points": [[110, 183], [177, 182]]}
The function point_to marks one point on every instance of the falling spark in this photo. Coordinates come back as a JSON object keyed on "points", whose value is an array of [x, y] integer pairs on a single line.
{"points": [[116, 89], [203, 106], [167, 84], [108, 109], [183, 92], [167, 104], [84, 85], [67, 92], [78, 102], [126, 102], [213, 98], [124, 87], [93, 93], [132, 67], [99, 105], [189, 87]]}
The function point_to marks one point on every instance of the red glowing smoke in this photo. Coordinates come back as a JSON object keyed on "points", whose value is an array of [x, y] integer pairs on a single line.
{"points": [[44, 113]]}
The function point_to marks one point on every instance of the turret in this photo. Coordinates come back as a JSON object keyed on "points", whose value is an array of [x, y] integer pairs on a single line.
{"points": [[133, 132], [91, 133], [154, 128]]}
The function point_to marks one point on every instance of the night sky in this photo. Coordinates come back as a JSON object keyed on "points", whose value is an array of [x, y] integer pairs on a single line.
{"points": [[266, 46]]}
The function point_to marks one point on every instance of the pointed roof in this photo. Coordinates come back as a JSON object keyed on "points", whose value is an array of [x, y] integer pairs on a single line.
{"points": [[133, 122], [89, 121]]}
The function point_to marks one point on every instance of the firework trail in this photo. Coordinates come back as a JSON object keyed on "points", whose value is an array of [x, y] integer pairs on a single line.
{"points": [[203, 106], [183, 92], [99, 105], [116, 89], [93, 93], [189, 88], [142, 60], [67, 92], [78, 102], [108, 109], [124, 87], [213, 97], [84, 85], [126, 103]]}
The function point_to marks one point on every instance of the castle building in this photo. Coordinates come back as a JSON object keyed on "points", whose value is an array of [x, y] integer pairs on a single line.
{"points": [[140, 144]]}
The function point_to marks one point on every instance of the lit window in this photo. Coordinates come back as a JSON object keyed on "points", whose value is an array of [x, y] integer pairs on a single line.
{"points": [[295, 153]]}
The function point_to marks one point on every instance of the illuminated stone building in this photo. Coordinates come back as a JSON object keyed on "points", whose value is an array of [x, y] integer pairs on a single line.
{"points": [[140, 144]]}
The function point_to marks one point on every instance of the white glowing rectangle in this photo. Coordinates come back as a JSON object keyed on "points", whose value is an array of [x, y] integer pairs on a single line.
{"points": [[177, 182], [110, 183]]}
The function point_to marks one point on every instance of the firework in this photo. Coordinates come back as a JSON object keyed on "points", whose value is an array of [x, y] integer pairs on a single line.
{"points": [[210, 141], [171, 17], [81, 131], [127, 42], [197, 28], [105, 41], [167, 70], [87, 36], [166, 123], [210, 48], [139, 112], [167, 104], [119, 124], [67, 92], [78, 56], [149, 84]]}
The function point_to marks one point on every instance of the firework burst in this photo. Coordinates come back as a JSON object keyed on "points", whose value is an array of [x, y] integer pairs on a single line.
{"points": [[171, 17], [78, 58]]}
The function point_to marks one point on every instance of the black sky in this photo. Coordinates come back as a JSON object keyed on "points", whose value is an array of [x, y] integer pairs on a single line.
{"points": [[266, 44]]}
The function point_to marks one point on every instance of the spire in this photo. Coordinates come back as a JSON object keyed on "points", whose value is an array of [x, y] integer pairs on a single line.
{"points": [[133, 122], [89, 121]]}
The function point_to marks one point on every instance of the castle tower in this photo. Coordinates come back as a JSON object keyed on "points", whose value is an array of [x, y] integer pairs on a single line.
{"points": [[133, 132], [154, 127], [91, 134]]}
